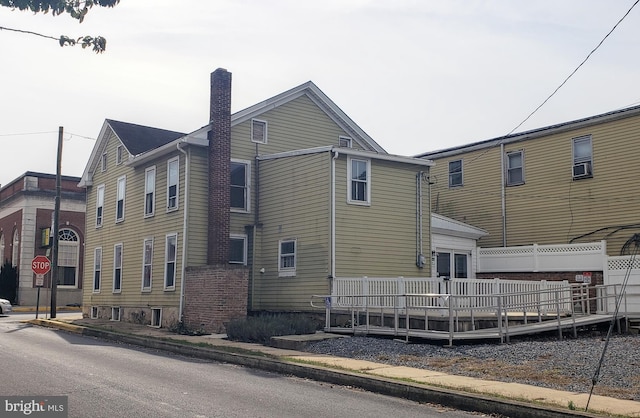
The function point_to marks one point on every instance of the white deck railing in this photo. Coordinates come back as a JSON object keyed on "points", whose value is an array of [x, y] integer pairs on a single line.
{"points": [[383, 292]]}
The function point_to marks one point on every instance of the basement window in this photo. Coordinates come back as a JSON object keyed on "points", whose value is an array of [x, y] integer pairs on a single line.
{"points": [[115, 313], [94, 312], [156, 317]]}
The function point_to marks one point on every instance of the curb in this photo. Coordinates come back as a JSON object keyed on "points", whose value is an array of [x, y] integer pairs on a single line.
{"points": [[411, 391]]}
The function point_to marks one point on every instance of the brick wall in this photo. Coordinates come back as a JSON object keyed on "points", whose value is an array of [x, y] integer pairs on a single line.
{"points": [[219, 167], [214, 295]]}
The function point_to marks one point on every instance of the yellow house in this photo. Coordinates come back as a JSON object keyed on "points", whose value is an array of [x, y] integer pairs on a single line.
{"points": [[568, 183], [255, 211]]}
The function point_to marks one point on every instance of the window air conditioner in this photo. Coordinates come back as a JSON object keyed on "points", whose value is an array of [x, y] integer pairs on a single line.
{"points": [[581, 170]]}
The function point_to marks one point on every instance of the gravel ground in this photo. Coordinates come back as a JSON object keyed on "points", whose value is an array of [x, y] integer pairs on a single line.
{"points": [[568, 364]]}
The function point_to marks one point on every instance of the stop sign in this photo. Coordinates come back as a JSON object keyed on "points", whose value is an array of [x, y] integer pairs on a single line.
{"points": [[40, 264]]}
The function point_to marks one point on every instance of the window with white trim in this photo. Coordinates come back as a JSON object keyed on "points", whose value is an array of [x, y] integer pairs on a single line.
{"points": [[287, 258], [15, 250], [147, 264], [173, 166], [120, 195], [259, 131], [117, 268], [359, 174], [455, 173], [171, 253], [156, 317], [99, 205], [103, 162], [238, 249], [345, 142], [582, 157], [119, 151], [515, 168], [97, 269], [448, 261], [239, 184], [149, 191], [94, 312], [115, 313], [68, 258]]}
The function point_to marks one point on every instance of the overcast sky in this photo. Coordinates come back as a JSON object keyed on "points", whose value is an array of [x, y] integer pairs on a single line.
{"points": [[417, 75]]}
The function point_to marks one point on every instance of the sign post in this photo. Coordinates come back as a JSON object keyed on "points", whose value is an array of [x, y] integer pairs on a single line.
{"points": [[40, 266]]}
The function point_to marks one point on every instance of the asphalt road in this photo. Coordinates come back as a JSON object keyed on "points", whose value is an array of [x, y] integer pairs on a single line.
{"points": [[104, 379]]}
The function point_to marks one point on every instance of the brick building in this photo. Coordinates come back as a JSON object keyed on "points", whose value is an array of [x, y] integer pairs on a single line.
{"points": [[26, 213]]}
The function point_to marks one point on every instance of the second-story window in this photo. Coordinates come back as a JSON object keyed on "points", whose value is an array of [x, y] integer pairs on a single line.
{"points": [[149, 191], [359, 173], [239, 180], [121, 192], [582, 157], [455, 173], [172, 183], [99, 205], [515, 168]]}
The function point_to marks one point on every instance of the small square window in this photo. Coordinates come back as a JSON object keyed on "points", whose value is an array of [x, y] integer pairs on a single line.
{"points": [[345, 142]]}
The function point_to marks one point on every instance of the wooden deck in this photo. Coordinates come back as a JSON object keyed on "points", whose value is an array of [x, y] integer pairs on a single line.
{"points": [[502, 334]]}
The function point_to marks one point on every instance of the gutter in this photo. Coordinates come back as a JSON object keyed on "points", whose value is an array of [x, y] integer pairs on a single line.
{"points": [[184, 227]]}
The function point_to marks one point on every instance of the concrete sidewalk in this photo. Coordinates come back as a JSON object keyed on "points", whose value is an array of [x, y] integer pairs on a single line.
{"points": [[508, 399]]}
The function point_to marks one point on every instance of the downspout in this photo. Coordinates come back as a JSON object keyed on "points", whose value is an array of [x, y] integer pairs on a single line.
{"points": [[333, 216], [184, 228], [256, 222], [503, 198], [418, 218]]}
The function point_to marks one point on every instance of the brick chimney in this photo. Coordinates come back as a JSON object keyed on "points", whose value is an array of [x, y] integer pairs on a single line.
{"points": [[219, 167]]}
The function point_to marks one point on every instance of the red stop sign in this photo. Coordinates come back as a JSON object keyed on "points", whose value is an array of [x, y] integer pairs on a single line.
{"points": [[40, 264]]}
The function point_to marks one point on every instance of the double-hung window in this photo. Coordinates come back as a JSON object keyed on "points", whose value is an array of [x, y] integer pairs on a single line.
{"points": [[238, 249], [68, 257], [117, 268], [103, 162], [582, 157], [97, 269], [121, 192], [455, 173], [171, 252], [359, 174], [119, 153], [287, 258], [172, 183], [99, 205], [147, 263], [515, 168], [239, 179], [149, 191]]}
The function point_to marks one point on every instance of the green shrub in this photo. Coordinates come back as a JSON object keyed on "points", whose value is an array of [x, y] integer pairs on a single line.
{"points": [[260, 329]]}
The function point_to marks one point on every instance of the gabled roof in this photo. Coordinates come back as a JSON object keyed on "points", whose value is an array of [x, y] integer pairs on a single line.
{"points": [[536, 133], [322, 101], [137, 139], [450, 227]]}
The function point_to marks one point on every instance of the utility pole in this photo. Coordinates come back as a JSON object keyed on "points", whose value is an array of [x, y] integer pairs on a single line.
{"points": [[54, 233]]}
